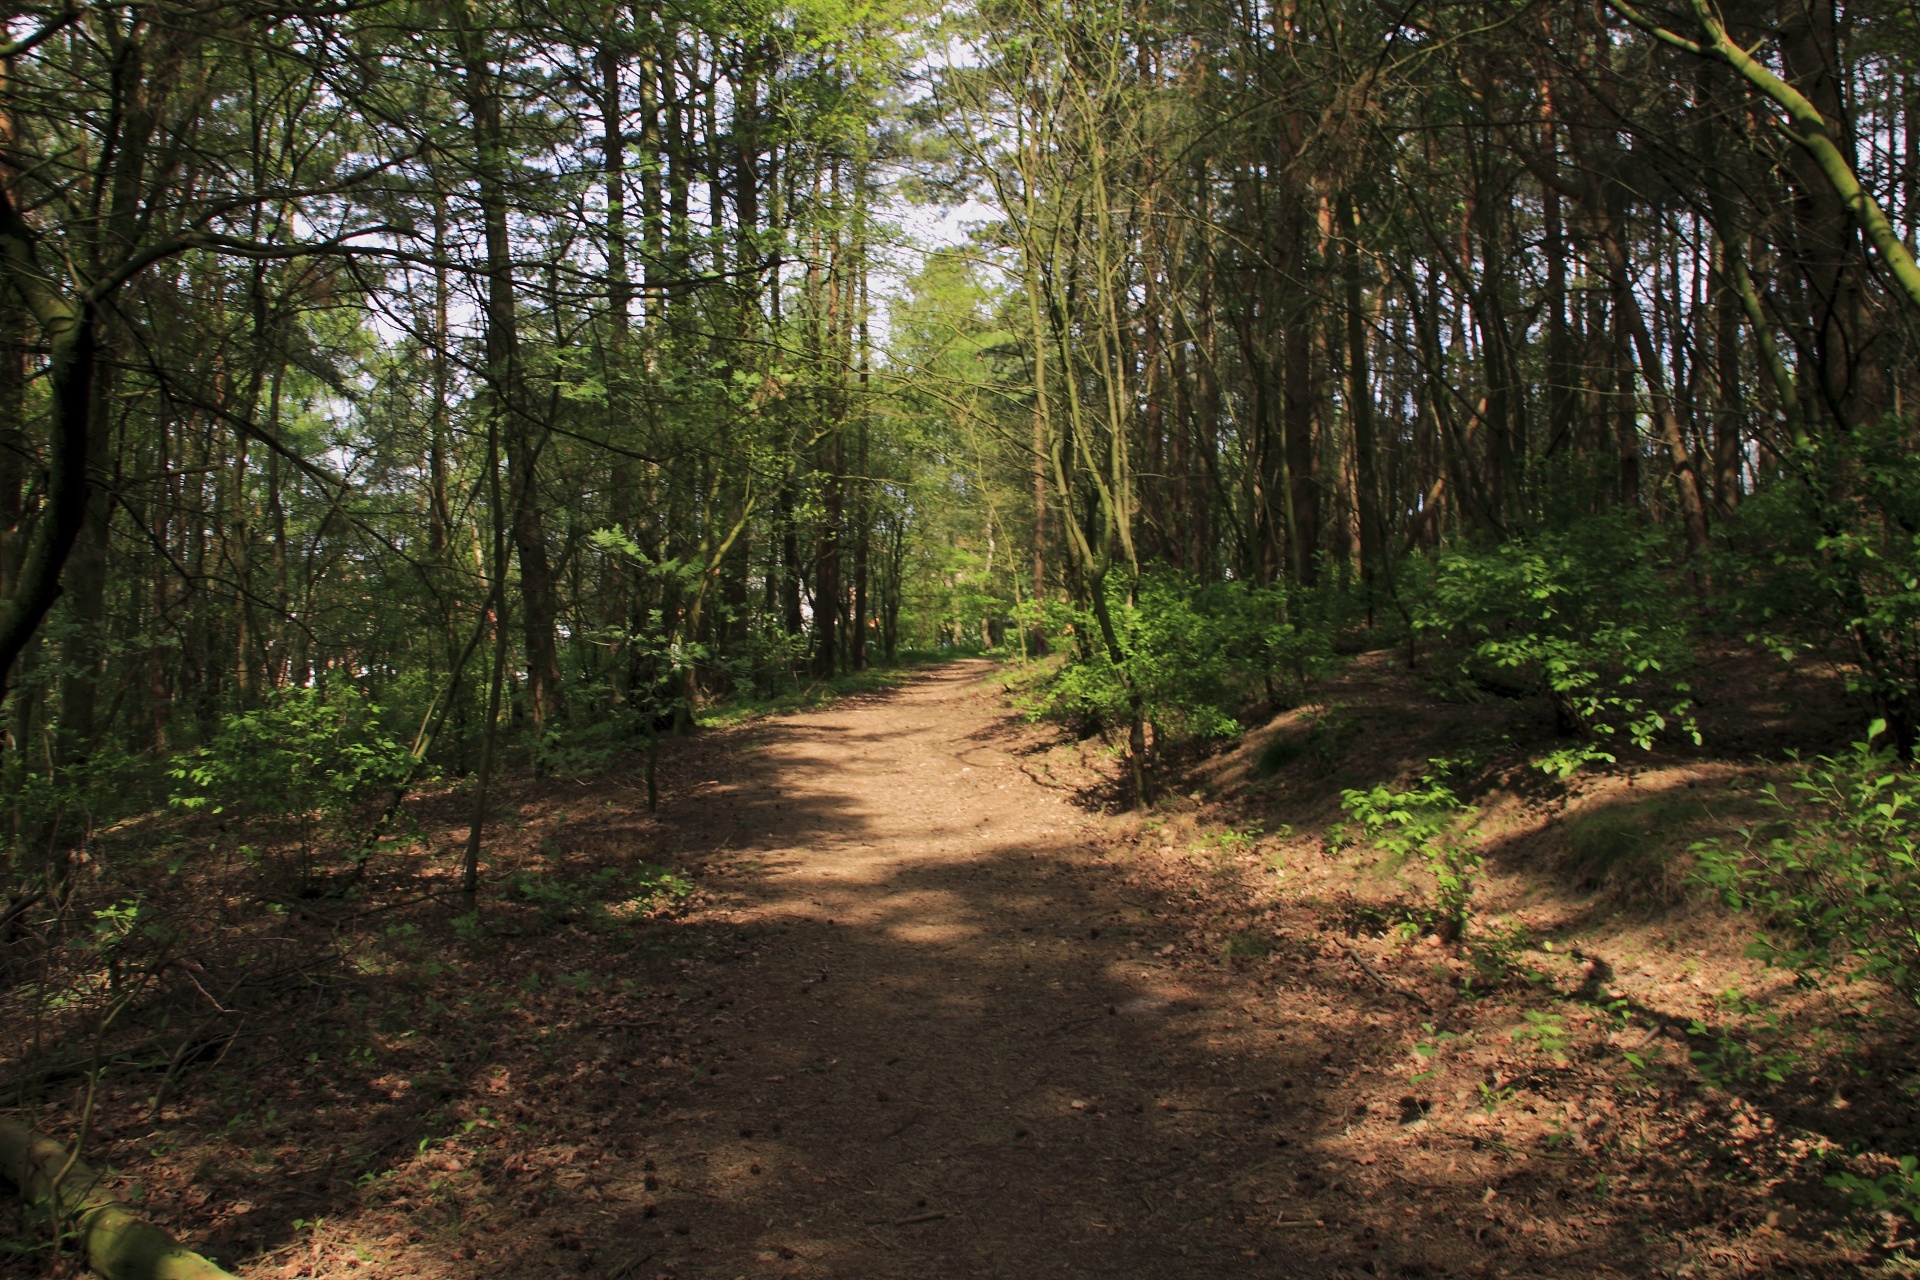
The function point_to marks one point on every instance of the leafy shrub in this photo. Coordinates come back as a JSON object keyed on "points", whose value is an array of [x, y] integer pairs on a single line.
{"points": [[1172, 663], [1837, 879], [1726, 1060], [1276, 638], [1498, 955], [1895, 1192], [660, 660], [767, 660], [310, 757], [1425, 824], [59, 808], [1827, 561], [1189, 654], [128, 936], [1547, 1032], [1581, 616], [584, 746]]}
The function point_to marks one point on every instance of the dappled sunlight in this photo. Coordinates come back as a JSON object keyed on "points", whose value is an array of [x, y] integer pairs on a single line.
{"points": [[980, 1056], [934, 933], [922, 1018]]}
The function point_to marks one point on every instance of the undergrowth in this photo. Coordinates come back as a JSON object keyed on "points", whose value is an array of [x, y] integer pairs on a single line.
{"points": [[1835, 876], [1425, 825]]}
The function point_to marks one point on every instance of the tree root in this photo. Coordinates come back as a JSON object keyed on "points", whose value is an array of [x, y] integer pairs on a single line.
{"points": [[119, 1244]]}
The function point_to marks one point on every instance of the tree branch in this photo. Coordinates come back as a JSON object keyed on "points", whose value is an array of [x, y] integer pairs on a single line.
{"points": [[1811, 131]]}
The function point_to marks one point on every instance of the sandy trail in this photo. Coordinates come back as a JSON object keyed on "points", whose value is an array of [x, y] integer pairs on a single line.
{"points": [[949, 1045], [925, 1017]]}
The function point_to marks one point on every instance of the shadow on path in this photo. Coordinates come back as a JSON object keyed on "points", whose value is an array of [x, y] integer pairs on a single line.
{"points": [[948, 1037]]}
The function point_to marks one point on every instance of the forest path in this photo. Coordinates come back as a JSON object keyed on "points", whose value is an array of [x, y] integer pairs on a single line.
{"points": [[948, 1040]]}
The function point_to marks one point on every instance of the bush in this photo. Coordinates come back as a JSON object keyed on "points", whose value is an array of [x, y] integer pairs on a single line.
{"points": [[310, 757], [1425, 823], [1171, 667], [1190, 655], [1826, 560], [61, 808], [1837, 880], [1897, 1191], [1582, 617], [1277, 639]]}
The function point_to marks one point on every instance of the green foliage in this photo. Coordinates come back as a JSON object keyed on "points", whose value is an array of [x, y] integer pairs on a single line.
{"points": [[129, 935], [1475, 754], [1582, 616], [1640, 1062], [64, 804], [799, 695], [1547, 1032], [1498, 954], [1895, 1192], [1642, 1058], [1424, 824], [115, 923], [1827, 561], [1429, 1049], [601, 899], [1229, 840], [310, 756], [1629, 844], [659, 660], [1172, 662], [1602, 840], [1321, 739], [1742, 1048], [589, 746], [1725, 1061], [1837, 879], [1190, 654], [1278, 638]]}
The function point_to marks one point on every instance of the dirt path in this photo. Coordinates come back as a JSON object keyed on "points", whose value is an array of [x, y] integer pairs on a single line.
{"points": [[951, 1045], [910, 1013]]}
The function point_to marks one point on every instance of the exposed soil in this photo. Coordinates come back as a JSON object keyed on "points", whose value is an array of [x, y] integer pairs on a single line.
{"points": [[931, 1014]]}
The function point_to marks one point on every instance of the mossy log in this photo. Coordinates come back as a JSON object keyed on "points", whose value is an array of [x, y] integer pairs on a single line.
{"points": [[119, 1243]]}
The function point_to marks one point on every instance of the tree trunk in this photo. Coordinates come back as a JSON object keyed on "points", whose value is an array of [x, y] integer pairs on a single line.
{"points": [[504, 380]]}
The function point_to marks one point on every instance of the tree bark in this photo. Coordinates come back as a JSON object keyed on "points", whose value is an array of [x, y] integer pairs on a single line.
{"points": [[71, 330]]}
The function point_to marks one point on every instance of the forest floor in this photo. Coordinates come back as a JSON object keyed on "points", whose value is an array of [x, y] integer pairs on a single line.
{"points": [[919, 1006]]}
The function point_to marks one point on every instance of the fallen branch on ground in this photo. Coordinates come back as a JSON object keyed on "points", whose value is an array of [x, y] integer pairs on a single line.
{"points": [[1385, 985], [16, 910], [119, 1244], [37, 1079]]}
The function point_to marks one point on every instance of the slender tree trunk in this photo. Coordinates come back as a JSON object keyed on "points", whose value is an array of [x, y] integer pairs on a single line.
{"points": [[505, 383], [1360, 405], [1687, 489]]}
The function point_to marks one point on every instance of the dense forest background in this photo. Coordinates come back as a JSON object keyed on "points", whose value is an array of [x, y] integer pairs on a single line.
{"points": [[550, 372], [403, 402]]}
